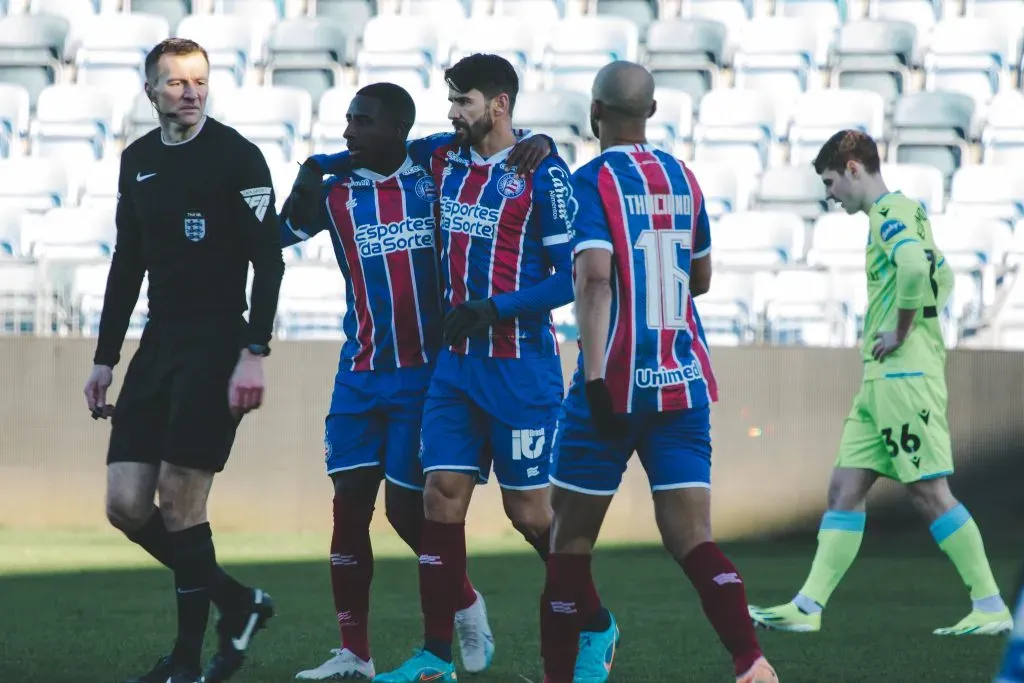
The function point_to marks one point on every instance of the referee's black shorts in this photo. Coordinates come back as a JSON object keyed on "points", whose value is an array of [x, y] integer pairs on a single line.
{"points": [[173, 405]]}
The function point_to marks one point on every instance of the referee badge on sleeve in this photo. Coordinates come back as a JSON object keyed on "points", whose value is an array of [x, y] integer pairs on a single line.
{"points": [[195, 226]]}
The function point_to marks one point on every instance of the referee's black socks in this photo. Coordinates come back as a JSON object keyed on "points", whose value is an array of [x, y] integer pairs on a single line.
{"points": [[154, 538]]}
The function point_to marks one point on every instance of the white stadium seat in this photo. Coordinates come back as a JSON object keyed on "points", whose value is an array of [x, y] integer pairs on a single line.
{"points": [[839, 240], [757, 239], [735, 126], [805, 309], [312, 302]]}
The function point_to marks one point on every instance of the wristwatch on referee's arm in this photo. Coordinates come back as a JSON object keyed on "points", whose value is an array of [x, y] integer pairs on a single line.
{"points": [[258, 349]]}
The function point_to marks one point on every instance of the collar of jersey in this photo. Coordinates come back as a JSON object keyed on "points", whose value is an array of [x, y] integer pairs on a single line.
{"points": [[199, 129], [630, 148], [377, 177], [495, 158], [887, 194]]}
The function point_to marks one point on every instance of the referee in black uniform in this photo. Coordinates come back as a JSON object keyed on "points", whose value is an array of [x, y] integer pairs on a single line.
{"points": [[195, 207]]}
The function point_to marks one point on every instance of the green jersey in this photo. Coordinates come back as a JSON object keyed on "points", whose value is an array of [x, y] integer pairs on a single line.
{"points": [[905, 269]]}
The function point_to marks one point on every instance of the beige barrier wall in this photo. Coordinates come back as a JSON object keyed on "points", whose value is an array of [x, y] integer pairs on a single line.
{"points": [[775, 432]]}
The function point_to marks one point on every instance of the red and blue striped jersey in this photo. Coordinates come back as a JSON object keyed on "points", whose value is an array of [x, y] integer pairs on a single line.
{"points": [[384, 232], [506, 237], [646, 208]]}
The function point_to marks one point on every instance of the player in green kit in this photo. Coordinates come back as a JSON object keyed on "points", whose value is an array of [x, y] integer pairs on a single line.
{"points": [[897, 427]]}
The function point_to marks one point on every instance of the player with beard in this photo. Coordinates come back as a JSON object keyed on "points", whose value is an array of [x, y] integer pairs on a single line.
{"points": [[378, 207], [497, 387]]}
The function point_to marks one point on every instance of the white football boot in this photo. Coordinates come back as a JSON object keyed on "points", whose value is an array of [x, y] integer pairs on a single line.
{"points": [[476, 643], [344, 665]]}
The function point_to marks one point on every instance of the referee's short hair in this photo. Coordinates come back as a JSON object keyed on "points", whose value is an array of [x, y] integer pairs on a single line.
{"points": [[172, 46], [396, 101]]}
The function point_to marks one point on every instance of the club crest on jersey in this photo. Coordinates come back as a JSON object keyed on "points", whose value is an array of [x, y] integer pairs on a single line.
{"points": [[195, 226], [511, 185], [425, 189]]}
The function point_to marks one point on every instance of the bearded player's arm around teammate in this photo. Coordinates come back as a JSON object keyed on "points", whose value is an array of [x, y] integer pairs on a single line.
{"points": [[897, 427], [380, 216]]}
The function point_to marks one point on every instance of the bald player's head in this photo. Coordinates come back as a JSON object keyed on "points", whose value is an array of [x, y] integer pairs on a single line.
{"points": [[623, 92]]}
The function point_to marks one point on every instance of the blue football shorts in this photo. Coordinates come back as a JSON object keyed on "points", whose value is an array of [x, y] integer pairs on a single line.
{"points": [[492, 411], [375, 420], [674, 449]]}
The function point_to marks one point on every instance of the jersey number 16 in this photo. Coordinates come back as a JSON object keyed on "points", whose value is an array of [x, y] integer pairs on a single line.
{"points": [[668, 282]]}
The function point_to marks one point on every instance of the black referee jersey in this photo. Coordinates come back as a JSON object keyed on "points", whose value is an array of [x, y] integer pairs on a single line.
{"points": [[193, 215]]}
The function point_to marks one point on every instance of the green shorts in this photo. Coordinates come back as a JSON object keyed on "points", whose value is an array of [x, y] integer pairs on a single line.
{"points": [[898, 428]]}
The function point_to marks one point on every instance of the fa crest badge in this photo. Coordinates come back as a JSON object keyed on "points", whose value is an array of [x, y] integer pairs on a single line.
{"points": [[195, 226]]}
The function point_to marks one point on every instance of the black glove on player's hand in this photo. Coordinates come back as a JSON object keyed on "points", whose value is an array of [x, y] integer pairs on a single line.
{"points": [[609, 425], [467, 319]]}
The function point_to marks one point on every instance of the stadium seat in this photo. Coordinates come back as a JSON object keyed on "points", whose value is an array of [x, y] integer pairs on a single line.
{"points": [[353, 14], [733, 14], [541, 12], [33, 184], [10, 233], [228, 41], [921, 14], [780, 56], [403, 50], [932, 128], [329, 128], [307, 53], [140, 118], [686, 54], [639, 12], [77, 234], [171, 10], [88, 285], [312, 303], [920, 182], [514, 38], [726, 189], [99, 189], [445, 12], [969, 56], [20, 287], [735, 127], [839, 241], [988, 191], [875, 56], [1009, 15], [562, 115], [730, 311], [757, 239], [113, 50], [580, 46], [825, 14], [75, 12], [793, 189], [805, 309], [672, 123], [275, 118], [74, 123], [819, 114], [261, 15], [1009, 326], [1003, 136], [432, 107], [32, 51], [975, 246], [14, 118]]}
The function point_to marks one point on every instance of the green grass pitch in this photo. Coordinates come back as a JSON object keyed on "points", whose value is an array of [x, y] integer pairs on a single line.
{"points": [[91, 608]]}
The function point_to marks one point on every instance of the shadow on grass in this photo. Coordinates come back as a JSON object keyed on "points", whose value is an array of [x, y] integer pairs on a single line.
{"points": [[103, 626]]}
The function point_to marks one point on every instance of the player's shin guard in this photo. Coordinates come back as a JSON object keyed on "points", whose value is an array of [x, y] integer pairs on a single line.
{"points": [[724, 601], [351, 573], [959, 537], [442, 575], [839, 539], [569, 599]]}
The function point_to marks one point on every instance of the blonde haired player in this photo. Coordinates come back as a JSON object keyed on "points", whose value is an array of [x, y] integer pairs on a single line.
{"points": [[897, 427]]}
